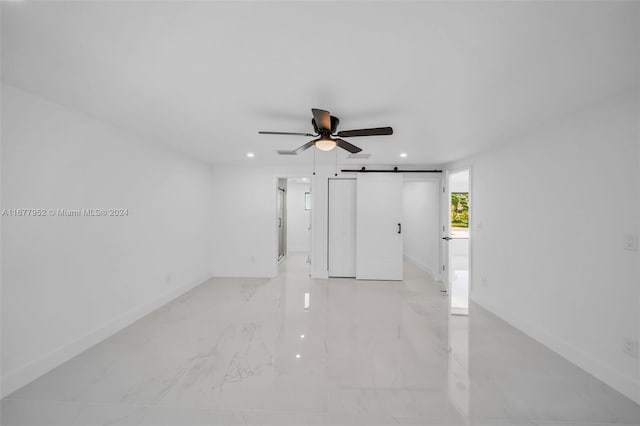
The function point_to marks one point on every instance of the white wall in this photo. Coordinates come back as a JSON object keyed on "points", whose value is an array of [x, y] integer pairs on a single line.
{"points": [[298, 219], [550, 212], [421, 219], [245, 239], [459, 181], [319, 223], [244, 218], [69, 282], [245, 222]]}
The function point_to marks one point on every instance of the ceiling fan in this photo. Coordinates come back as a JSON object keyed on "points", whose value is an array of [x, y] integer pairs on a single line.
{"points": [[326, 125]]}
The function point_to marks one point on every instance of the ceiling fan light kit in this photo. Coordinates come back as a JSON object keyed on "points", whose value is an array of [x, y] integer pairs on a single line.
{"points": [[325, 144], [325, 125]]}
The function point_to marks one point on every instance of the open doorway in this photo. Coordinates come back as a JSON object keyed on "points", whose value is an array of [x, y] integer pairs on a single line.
{"points": [[299, 216], [421, 218], [281, 217], [457, 240], [293, 220]]}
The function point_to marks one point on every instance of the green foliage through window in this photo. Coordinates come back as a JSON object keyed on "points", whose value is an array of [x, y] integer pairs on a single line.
{"points": [[460, 209]]}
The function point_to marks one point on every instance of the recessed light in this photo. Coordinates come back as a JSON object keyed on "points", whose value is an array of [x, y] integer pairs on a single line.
{"points": [[302, 336], [403, 155], [250, 154], [297, 355]]}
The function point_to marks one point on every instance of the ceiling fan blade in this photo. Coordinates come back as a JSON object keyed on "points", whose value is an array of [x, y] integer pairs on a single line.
{"points": [[377, 131], [323, 118], [305, 146], [346, 145], [286, 133], [334, 124]]}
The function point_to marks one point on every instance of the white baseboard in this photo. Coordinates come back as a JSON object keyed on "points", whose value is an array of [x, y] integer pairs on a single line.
{"points": [[628, 386], [17, 378], [424, 267], [246, 275], [319, 274], [294, 250]]}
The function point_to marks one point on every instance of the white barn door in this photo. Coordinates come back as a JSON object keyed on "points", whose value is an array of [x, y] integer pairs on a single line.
{"points": [[379, 226]]}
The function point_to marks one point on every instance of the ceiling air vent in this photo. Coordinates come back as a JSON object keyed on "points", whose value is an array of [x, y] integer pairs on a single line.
{"points": [[359, 156], [285, 152]]}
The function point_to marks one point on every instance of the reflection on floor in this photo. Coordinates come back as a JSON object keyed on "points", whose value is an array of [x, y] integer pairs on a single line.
{"points": [[459, 265], [247, 352], [460, 291]]}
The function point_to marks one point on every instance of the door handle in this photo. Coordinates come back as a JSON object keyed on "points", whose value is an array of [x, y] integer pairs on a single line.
{"points": [[279, 222], [447, 238], [399, 228]]}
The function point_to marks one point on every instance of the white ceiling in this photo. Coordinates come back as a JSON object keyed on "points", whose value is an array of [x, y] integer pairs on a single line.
{"points": [[451, 78]]}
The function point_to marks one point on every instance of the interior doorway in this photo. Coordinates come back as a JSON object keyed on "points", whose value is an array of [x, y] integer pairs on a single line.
{"points": [[457, 240], [299, 216], [421, 220], [281, 218]]}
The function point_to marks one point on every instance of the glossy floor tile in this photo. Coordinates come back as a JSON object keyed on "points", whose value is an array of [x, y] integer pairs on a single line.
{"points": [[297, 351]]}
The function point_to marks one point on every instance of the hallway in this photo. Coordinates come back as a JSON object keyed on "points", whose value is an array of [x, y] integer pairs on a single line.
{"points": [[248, 352]]}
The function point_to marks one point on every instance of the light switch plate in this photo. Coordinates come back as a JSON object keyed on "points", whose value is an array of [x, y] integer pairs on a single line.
{"points": [[631, 241], [630, 347]]}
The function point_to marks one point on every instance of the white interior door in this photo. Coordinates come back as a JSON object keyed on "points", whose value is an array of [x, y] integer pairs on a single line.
{"points": [[342, 228], [445, 233], [458, 242], [379, 226]]}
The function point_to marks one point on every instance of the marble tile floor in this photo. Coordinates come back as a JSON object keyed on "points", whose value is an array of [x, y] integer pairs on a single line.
{"points": [[247, 352]]}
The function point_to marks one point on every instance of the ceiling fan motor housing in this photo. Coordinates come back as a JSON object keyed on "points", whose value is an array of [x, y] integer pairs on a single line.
{"points": [[326, 132]]}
